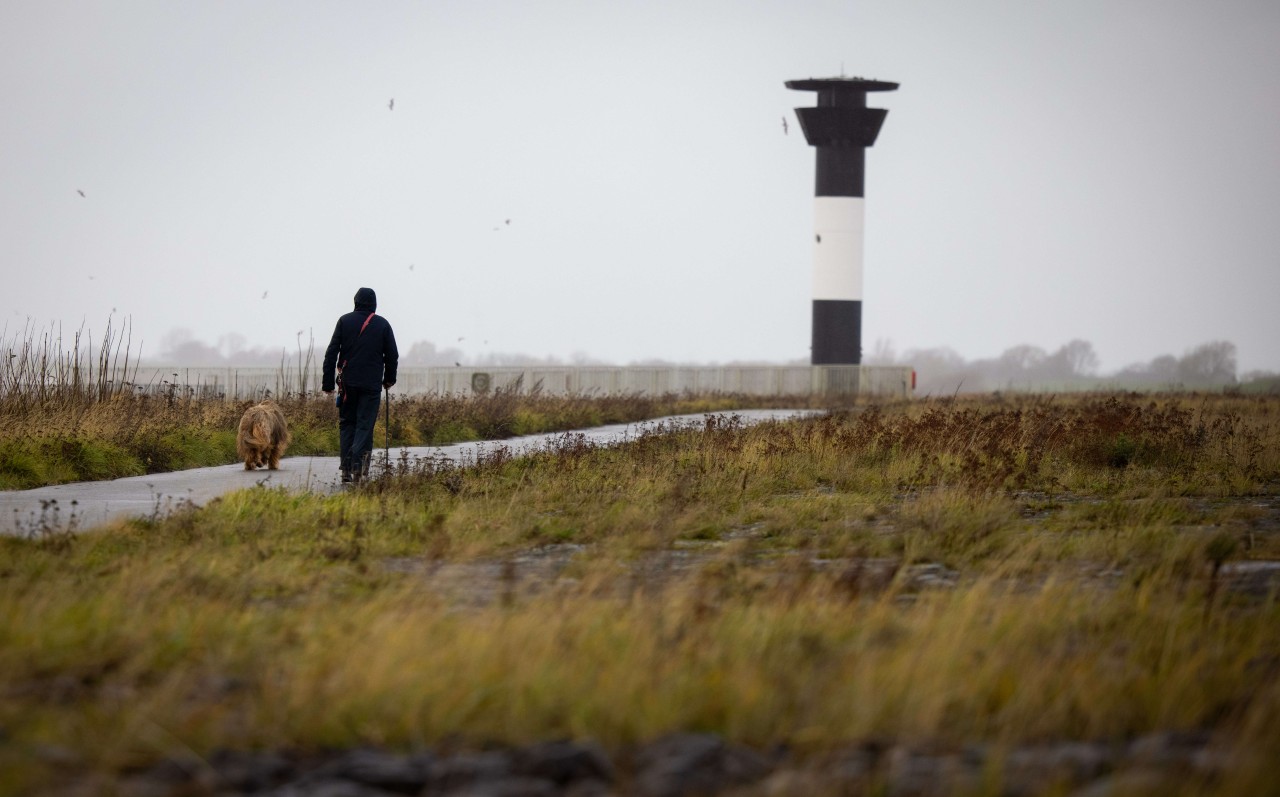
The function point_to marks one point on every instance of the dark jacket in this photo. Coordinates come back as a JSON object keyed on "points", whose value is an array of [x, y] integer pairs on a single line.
{"points": [[369, 359]]}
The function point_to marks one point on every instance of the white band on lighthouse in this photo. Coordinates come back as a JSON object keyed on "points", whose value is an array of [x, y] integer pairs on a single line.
{"points": [[837, 247]]}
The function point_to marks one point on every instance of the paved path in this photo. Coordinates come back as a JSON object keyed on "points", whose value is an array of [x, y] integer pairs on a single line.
{"points": [[84, 505]]}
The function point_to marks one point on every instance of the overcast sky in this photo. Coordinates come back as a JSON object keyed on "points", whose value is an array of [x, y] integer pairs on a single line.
{"points": [[1097, 169]]}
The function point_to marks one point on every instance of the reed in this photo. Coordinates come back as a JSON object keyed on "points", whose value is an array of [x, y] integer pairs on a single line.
{"points": [[41, 370], [67, 416]]}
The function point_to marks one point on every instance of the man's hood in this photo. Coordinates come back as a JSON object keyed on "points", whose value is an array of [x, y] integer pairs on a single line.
{"points": [[366, 299]]}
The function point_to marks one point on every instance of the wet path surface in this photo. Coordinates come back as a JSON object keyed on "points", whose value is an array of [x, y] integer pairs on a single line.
{"points": [[84, 505]]}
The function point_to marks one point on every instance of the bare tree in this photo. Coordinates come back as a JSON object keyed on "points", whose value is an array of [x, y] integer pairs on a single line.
{"points": [[882, 353], [1022, 359], [1209, 364], [1075, 360]]}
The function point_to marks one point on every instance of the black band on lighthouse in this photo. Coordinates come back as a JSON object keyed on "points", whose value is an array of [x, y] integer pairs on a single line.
{"points": [[840, 127], [840, 171], [832, 323]]}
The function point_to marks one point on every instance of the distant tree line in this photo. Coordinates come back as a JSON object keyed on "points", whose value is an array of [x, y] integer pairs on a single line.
{"points": [[939, 370], [1073, 366], [180, 347]]}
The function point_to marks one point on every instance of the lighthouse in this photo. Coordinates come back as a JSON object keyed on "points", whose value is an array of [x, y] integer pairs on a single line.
{"points": [[841, 126]]}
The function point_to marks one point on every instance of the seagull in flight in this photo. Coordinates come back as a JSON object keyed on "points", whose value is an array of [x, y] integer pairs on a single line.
{"points": [[78, 191], [391, 106], [784, 125]]}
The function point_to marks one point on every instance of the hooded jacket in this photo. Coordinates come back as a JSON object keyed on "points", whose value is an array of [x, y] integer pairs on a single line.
{"points": [[369, 359]]}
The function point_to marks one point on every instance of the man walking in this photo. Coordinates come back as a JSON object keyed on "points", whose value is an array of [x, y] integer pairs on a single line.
{"points": [[360, 361]]}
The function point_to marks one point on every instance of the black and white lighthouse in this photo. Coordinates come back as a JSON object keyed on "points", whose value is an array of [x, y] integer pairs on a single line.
{"points": [[841, 127]]}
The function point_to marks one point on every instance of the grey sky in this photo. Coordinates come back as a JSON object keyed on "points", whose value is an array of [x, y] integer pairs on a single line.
{"points": [[1100, 169]]}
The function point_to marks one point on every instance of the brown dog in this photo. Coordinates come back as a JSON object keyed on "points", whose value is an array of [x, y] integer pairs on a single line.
{"points": [[263, 437]]}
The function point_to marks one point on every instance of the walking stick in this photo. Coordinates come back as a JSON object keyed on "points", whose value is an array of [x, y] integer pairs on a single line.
{"points": [[388, 429]]}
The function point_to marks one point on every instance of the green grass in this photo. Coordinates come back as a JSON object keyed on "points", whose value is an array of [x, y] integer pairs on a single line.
{"points": [[762, 583]]}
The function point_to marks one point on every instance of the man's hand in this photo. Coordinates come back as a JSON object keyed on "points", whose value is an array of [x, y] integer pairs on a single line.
{"points": [[388, 385]]}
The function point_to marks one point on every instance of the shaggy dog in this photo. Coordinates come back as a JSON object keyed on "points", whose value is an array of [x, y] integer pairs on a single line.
{"points": [[263, 437]]}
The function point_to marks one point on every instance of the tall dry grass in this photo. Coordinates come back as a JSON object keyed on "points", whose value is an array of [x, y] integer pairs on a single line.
{"points": [[945, 574], [74, 411], [41, 370]]}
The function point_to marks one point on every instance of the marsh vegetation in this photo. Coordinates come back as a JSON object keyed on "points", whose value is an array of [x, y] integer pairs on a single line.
{"points": [[72, 410], [964, 579]]}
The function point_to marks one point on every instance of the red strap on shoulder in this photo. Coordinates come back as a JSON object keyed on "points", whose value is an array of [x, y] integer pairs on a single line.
{"points": [[358, 334]]}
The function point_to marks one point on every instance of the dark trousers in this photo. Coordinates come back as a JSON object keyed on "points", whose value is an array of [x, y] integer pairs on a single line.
{"points": [[356, 417]]}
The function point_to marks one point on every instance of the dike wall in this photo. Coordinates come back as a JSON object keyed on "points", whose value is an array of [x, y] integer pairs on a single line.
{"points": [[886, 382]]}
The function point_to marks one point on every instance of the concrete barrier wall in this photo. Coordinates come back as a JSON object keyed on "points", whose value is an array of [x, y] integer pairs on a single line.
{"points": [[854, 380]]}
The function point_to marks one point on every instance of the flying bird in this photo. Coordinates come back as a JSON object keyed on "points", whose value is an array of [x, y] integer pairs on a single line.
{"points": [[784, 126], [461, 339], [391, 106], [78, 191], [264, 294], [819, 237], [508, 221]]}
